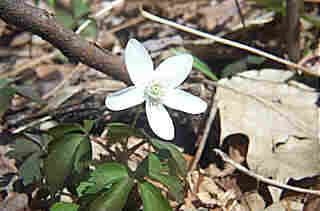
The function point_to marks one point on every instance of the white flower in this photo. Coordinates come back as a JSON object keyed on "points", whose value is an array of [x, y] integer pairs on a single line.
{"points": [[156, 87]]}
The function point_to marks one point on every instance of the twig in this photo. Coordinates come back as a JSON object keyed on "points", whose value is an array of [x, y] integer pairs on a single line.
{"points": [[46, 57], [227, 42], [271, 182], [99, 14], [43, 24], [127, 24], [212, 114], [31, 124]]}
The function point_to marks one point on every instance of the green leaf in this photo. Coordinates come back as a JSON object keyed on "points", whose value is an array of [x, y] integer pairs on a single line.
{"points": [[6, 95], [28, 151], [83, 187], [257, 60], [276, 5], [64, 206], [118, 131], [20, 148], [64, 17], [88, 125], [175, 188], [174, 185], [115, 198], [5, 82], [152, 198], [83, 154], [241, 65], [198, 64], [153, 168], [177, 158], [104, 175], [79, 7], [80, 14], [202, 67], [154, 163], [145, 167], [41, 140], [59, 163], [52, 3], [62, 129], [30, 169]]}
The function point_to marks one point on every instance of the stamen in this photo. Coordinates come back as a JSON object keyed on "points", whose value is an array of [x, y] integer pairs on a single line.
{"points": [[154, 92]]}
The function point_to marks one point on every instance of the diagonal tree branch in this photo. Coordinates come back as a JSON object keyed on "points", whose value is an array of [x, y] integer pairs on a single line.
{"points": [[44, 24]]}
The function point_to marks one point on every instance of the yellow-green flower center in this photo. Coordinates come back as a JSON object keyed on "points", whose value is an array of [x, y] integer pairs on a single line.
{"points": [[154, 92]]}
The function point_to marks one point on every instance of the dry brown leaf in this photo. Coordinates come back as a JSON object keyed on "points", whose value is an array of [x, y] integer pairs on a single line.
{"points": [[281, 121]]}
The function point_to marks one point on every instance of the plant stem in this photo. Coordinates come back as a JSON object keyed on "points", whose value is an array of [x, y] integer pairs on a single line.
{"points": [[136, 117], [134, 123]]}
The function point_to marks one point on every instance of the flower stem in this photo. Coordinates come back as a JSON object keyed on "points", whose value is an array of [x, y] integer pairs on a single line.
{"points": [[136, 117], [126, 150]]}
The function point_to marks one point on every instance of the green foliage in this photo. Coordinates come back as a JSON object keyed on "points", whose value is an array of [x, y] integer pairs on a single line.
{"points": [[241, 65], [152, 198], [69, 149], [28, 152], [115, 198], [64, 206], [103, 176], [83, 154], [72, 20], [52, 3], [80, 8], [108, 186], [118, 131], [175, 158], [6, 95], [62, 129], [199, 65], [155, 170], [5, 82], [61, 159], [88, 125], [275, 5], [80, 12], [30, 169], [22, 147]]}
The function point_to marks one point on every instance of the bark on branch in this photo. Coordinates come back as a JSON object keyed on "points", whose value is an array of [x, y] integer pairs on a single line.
{"points": [[43, 24]]}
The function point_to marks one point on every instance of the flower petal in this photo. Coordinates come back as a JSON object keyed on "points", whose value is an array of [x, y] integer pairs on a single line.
{"points": [[183, 101], [159, 120], [138, 61], [125, 98], [174, 70]]}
